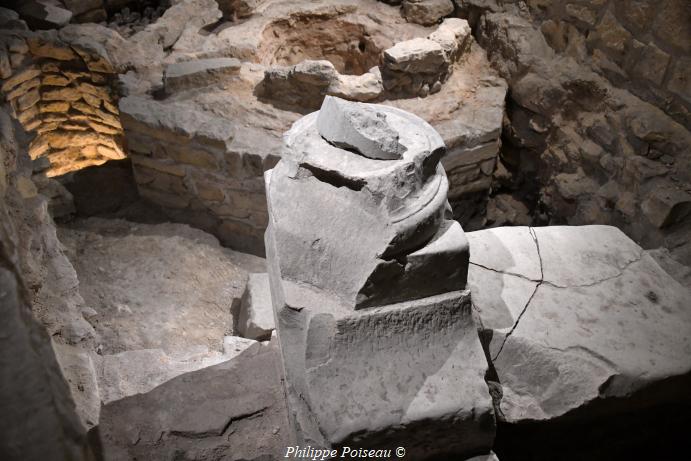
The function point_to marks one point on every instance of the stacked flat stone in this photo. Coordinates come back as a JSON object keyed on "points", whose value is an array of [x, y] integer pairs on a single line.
{"points": [[368, 287], [199, 169], [62, 92]]}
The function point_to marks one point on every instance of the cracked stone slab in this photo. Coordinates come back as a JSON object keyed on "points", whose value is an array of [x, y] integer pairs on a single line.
{"points": [[603, 320]]}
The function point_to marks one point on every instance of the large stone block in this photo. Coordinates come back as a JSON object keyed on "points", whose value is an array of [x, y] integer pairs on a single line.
{"points": [[367, 283], [577, 319]]}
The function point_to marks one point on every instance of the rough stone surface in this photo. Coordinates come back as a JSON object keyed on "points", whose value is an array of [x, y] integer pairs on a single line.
{"points": [[256, 317], [233, 410], [164, 286], [575, 317], [426, 12], [40, 421], [357, 127], [359, 232]]}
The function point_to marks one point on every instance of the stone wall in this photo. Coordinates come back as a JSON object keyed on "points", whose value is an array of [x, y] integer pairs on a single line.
{"points": [[59, 87], [579, 146], [641, 45], [200, 169], [39, 419]]}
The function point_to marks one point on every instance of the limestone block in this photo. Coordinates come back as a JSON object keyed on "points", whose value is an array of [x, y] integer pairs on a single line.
{"points": [[426, 12], [363, 269], [359, 128], [199, 73], [454, 36], [365, 87], [416, 55], [256, 316], [576, 318], [611, 35]]}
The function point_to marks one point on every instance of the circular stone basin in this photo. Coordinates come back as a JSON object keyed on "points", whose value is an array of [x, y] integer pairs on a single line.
{"points": [[346, 45]]}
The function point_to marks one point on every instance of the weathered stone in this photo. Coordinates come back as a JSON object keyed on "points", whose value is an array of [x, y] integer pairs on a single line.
{"points": [[611, 35], [358, 127], [672, 24], [666, 204], [202, 72], [48, 46], [5, 65], [679, 81], [651, 64], [363, 87], [574, 317], [19, 78], [237, 8], [356, 209], [416, 55], [62, 94], [43, 14], [426, 12], [28, 99], [177, 119], [582, 13], [454, 36], [82, 6], [22, 89], [234, 410], [256, 316]]}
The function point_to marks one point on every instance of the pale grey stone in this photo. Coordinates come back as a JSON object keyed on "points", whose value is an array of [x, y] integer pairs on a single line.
{"points": [[416, 55], [576, 316], [256, 317], [358, 127], [364, 268]]}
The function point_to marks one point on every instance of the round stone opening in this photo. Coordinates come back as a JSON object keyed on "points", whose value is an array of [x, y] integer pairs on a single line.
{"points": [[346, 45]]}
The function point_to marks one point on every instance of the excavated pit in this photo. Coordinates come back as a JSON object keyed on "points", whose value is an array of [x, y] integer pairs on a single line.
{"points": [[348, 46]]}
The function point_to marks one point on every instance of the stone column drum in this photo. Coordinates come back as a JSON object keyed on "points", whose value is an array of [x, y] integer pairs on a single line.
{"points": [[368, 277]]}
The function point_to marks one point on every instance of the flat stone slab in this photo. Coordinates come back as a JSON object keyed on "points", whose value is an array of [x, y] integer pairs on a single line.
{"points": [[199, 73], [576, 316], [233, 410]]}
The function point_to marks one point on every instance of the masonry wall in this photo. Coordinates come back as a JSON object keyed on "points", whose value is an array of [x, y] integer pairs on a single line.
{"points": [[198, 168], [640, 45]]}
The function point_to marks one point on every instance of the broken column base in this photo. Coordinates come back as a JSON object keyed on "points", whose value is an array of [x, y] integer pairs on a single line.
{"points": [[406, 375]]}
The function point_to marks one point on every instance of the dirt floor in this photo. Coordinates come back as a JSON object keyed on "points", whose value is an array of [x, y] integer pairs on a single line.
{"points": [[164, 286]]}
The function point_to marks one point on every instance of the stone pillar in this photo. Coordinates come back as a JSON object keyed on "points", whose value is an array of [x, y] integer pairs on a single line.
{"points": [[368, 280]]}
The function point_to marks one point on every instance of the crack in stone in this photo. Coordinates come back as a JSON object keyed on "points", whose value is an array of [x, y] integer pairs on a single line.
{"points": [[525, 307], [546, 282], [504, 273]]}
